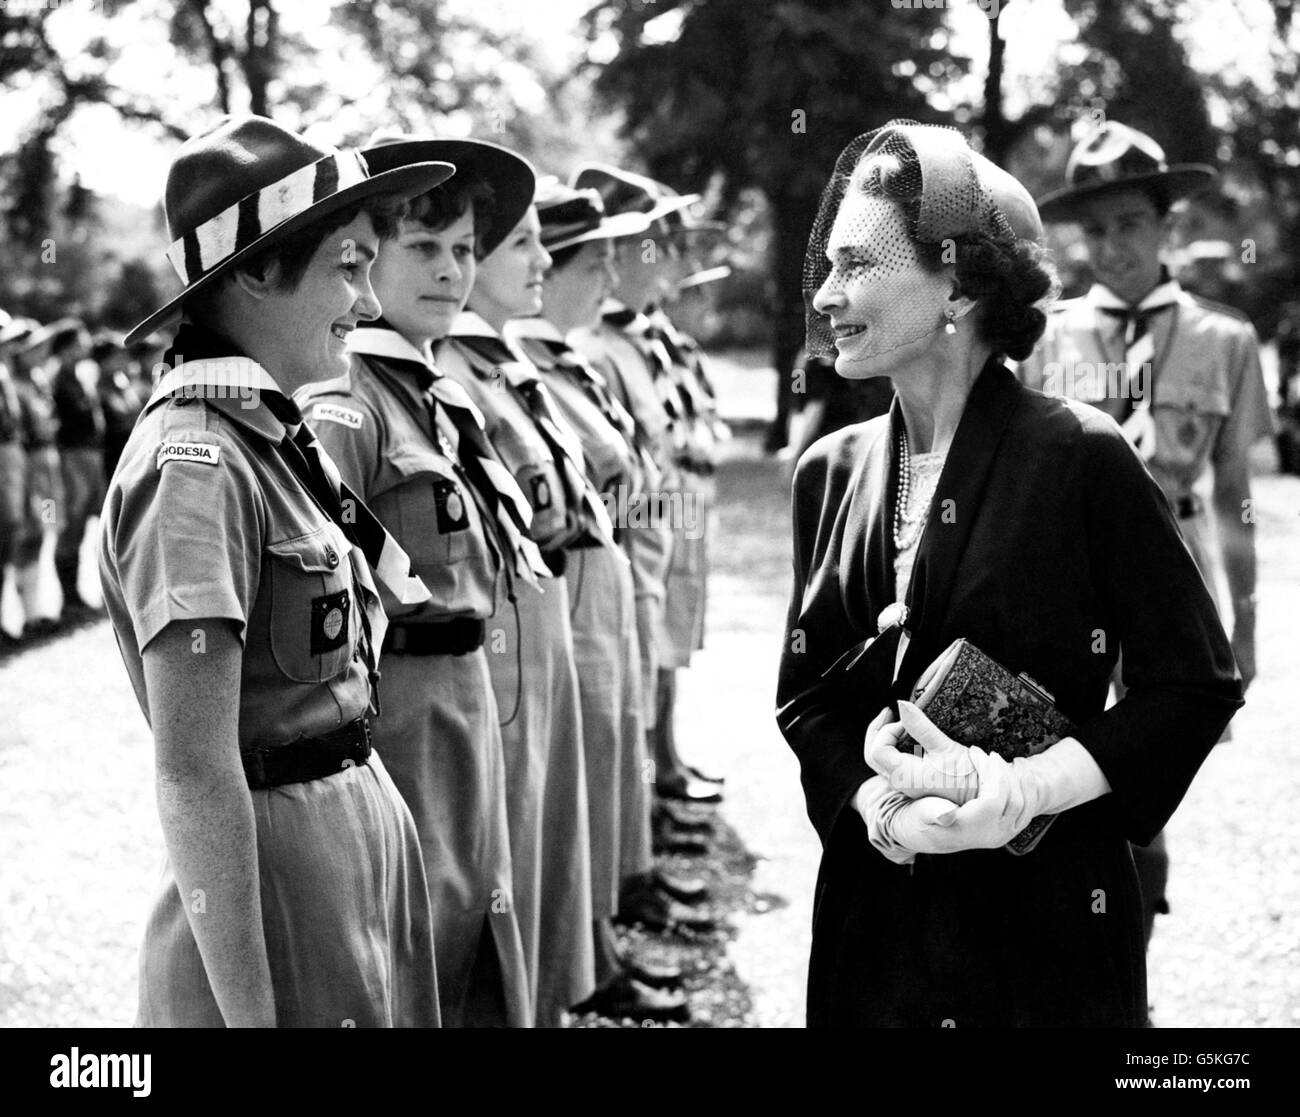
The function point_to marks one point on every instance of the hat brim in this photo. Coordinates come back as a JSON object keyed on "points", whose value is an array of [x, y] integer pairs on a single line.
{"points": [[406, 183], [1180, 181], [708, 275], [511, 176], [614, 227]]}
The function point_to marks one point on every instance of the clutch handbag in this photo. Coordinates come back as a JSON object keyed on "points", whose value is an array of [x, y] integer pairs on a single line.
{"points": [[977, 701]]}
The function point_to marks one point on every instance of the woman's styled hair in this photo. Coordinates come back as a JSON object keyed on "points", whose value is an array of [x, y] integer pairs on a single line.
{"points": [[441, 206], [1007, 278]]}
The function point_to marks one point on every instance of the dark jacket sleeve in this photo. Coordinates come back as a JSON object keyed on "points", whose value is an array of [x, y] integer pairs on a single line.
{"points": [[1181, 681], [825, 733]]}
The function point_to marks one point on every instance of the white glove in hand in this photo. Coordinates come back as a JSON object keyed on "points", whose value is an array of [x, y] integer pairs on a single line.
{"points": [[875, 801], [944, 770]]}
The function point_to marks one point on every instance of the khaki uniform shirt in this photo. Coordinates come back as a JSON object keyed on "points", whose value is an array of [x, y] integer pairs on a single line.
{"points": [[205, 521], [1208, 401], [403, 470]]}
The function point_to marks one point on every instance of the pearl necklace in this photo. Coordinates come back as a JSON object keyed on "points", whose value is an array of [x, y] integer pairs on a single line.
{"points": [[904, 486]]}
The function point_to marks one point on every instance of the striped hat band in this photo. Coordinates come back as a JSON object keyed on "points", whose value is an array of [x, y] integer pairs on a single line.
{"points": [[234, 229]]}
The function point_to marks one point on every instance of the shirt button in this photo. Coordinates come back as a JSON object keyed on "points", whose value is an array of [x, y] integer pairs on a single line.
{"points": [[331, 558]]}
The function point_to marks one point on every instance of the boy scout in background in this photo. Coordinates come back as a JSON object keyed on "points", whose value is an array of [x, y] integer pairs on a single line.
{"points": [[412, 440], [237, 572], [1181, 375]]}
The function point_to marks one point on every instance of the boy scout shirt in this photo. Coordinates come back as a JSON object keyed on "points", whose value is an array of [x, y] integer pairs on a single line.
{"points": [[400, 468], [1208, 399], [512, 432], [204, 520]]}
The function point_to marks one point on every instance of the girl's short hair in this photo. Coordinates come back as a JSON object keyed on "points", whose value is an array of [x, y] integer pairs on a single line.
{"points": [[438, 208]]}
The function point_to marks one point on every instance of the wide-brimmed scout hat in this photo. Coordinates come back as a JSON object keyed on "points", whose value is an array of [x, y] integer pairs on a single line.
{"points": [[625, 192], [246, 184], [569, 217], [15, 330], [51, 332], [1116, 157], [509, 175]]}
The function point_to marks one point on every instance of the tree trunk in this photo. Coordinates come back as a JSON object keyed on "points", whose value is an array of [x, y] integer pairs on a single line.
{"points": [[997, 133], [261, 31]]}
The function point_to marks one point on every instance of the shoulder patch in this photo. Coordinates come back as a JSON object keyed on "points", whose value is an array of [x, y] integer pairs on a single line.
{"points": [[334, 413], [209, 453]]}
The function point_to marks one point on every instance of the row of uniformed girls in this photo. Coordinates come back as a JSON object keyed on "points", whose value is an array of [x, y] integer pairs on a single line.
{"points": [[515, 709], [445, 411]]}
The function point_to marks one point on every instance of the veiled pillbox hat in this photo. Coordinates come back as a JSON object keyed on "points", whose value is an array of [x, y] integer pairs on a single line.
{"points": [[1117, 157], [626, 192], [570, 216], [246, 184], [957, 193], [509, 175]]}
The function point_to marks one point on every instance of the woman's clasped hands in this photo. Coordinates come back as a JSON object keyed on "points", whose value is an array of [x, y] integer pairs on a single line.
{"points": [[945, 799]]}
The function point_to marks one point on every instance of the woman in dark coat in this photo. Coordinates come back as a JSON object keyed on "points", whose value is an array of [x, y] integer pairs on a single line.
{"points": [[979, 509]]}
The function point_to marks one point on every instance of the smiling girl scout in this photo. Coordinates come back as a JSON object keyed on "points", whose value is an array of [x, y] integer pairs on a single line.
{"points": [[238, 577], [410, 439]]}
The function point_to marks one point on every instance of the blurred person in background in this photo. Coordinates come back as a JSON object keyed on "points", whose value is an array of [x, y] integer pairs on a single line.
{"points": [[1189, 393], [13, 467], [119, 396], [81, 452]]}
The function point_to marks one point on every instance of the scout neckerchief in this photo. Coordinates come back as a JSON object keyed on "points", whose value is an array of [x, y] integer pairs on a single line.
{"points": [[488, 355], [542, 344], [507, 513], [1139, 351], [639, 330]]}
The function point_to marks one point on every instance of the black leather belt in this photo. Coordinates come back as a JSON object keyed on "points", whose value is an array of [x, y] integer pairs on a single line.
{"points": [[458, 636], [1185, 507], [312, 758]]}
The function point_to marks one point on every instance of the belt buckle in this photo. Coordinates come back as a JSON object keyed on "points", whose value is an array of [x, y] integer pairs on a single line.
{"points": [[366, 744]]}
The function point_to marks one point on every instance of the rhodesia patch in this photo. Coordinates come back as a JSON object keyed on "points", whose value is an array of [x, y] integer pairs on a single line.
{"points": [[206, 452], [336, 414]]}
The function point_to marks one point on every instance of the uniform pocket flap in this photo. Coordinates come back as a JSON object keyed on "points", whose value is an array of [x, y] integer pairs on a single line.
{"points": [[319, 552], [413, 461]]}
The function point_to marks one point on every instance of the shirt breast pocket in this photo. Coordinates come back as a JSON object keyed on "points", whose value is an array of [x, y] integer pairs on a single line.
{"points": [[434, 513], [1188, 417], [314, 618]]}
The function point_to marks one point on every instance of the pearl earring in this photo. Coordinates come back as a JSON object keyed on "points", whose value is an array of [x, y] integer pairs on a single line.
{"points": [[951, 315]]}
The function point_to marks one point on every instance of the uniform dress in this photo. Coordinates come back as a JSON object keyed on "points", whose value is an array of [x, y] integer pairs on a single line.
{"points": [[603, 610], [204, 519], [438, 731], [686, 597], [81, 450], [1208, 404], [536, 680], [649, 536], [13, 470], [1058, 535]]}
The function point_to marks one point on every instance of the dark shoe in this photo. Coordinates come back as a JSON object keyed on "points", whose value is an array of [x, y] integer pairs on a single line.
{"points": [[687, 818], [659, 912], [657, 975], [689, 789], [625, 998], [667, 838], [689, 890], [694, 771]]}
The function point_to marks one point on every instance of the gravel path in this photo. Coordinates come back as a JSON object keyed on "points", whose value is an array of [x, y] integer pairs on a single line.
{"points": [[83, 848]]}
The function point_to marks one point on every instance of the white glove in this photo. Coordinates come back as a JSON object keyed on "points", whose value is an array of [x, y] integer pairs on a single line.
{"points": [[1010, 796], [945, 768], [875, 801]]}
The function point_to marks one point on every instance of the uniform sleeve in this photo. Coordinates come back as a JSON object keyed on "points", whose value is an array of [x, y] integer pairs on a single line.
{"points": [[187, 536], [1181, 679], [1250, 418], [825, 732], [349, 432]]}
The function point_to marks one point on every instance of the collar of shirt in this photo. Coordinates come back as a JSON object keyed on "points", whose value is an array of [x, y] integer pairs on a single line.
{"points": [[1163, 294], [469, 324], [410, 367], [232, 385], [540, 328]]}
